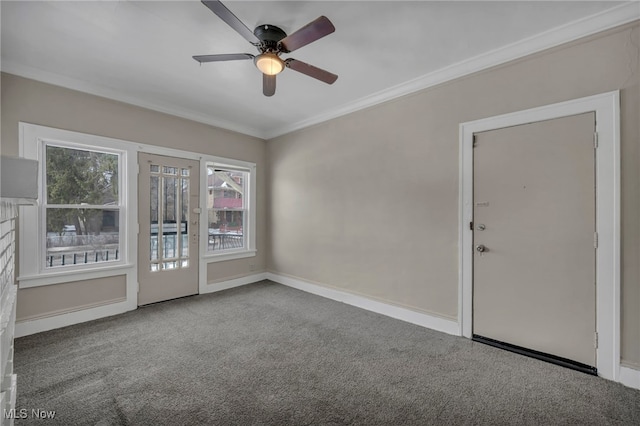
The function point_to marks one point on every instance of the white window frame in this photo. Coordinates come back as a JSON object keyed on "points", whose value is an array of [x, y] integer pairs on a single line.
{"points": [[249, 217], [33, 273]]}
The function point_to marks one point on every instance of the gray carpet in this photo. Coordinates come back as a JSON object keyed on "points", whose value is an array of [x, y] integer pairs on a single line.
{"points": [[269, 354]]}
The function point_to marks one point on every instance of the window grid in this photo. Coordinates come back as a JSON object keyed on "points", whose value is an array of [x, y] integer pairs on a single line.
{"points": [[167, 251]]}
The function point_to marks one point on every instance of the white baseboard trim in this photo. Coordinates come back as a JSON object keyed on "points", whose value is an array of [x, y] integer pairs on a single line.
{"points": [[237, 282], [629, 377], [28, 327], [403, 314]]}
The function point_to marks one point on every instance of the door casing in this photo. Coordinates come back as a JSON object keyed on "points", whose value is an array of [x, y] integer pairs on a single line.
{"points": [[607, 109]]}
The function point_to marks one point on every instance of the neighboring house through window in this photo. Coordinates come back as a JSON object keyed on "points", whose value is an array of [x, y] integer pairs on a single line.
{"points": [[227, 207]]}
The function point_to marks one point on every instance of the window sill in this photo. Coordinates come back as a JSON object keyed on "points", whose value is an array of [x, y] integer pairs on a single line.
{"points": [[65, 276], [228, 255]]}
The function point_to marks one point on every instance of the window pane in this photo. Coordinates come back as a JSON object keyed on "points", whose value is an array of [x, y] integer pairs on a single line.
{"points": [[77, 176], [169, 170], [227, 190], [227, 231], [80, 236]]}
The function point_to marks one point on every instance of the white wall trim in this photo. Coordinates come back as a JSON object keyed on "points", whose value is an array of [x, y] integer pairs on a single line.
{"points": [[571, 31], [607, 109], [629, 377], [237, 282], [605, 20], [403, 314], [117, 95], [25, 328]]}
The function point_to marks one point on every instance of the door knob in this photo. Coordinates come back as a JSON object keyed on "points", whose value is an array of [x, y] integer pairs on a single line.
{"points": [[480, 248]]}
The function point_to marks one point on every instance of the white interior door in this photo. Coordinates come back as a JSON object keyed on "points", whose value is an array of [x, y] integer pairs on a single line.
{"points": [[168, 197], [534, 228]]}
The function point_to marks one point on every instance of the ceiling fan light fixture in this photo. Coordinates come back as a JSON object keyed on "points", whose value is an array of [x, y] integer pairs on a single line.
{"points": [[269, 63]]}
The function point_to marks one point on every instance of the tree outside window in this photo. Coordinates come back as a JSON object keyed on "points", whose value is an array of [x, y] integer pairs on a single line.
{"points": [[82, 207]]}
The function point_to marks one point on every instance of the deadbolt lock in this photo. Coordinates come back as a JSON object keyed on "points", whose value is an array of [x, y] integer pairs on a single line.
{"points": [[480, 248], [481, 227]]}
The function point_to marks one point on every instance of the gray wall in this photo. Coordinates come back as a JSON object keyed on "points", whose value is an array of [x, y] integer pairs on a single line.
{"points": [[39, 103], [368, 203]]}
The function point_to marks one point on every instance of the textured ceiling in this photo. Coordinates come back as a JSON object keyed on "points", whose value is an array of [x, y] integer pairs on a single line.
{"points": [[140, 52]]}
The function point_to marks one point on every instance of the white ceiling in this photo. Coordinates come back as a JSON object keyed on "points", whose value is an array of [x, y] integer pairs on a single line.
{"points": [[140, 51]]}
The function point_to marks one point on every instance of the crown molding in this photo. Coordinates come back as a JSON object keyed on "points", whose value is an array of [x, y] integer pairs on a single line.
{"points": [[619, 15], [109, 93], [569, 32]]}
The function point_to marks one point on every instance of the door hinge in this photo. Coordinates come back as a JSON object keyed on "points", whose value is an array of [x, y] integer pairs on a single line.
{"points": [[595, 340], [595, 240], [471, 225], [595, 140], [474, 140]]}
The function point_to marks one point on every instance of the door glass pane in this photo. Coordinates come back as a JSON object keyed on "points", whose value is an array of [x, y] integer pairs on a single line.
{"points": [[169, 200], [185, 200], [154, 217], [170, 206], [184, 246]]}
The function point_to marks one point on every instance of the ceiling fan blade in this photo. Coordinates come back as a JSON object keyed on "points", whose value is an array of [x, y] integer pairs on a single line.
{"points": [[311, 71], [223, 57], [309, 33], [225, 14], [268, 84]]}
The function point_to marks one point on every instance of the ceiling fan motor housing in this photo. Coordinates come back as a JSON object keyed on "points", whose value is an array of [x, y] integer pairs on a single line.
{"points": [[269, 35]]}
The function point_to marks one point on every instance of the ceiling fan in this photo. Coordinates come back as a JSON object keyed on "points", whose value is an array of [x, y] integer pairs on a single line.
{"points": [[272, 42]]}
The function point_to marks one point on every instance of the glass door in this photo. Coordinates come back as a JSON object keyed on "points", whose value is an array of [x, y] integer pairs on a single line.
{"points": [[168, 239]]}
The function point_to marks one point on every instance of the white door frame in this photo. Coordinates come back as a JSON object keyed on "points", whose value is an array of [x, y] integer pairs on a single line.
{"points": [[607, 109]]}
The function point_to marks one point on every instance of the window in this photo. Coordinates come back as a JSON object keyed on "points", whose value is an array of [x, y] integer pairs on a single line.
{"points": [[228, 198], [80, 228], [81, 206]]}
